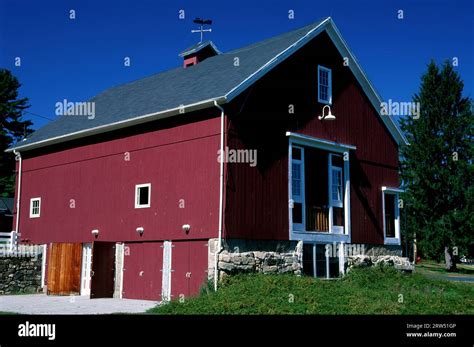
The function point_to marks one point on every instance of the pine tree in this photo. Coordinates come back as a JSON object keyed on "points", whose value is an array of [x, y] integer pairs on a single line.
{"points": [[437, 167], [13, 128]]}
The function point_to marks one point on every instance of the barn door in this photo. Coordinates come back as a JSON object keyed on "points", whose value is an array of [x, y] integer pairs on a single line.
{"points": [[64, 268], [103, 270]]}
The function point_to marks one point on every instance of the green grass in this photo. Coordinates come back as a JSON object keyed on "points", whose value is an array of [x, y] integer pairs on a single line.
{"points": [[431, 267], [362, 291]]}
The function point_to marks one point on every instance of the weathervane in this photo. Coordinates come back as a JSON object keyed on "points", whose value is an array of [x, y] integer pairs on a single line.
{"points": [[201, 29]]}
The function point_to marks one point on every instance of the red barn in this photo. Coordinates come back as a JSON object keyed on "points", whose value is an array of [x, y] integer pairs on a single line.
{"points": [[246, 151]]}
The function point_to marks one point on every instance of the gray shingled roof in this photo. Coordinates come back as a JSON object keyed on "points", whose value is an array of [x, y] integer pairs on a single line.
{"points": [[212, 78], [198, 86]]}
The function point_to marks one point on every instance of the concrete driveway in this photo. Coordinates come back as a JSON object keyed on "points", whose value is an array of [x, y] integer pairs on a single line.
{"points": [[43, 304]]}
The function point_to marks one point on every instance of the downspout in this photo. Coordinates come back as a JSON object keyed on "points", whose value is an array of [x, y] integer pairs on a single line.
{"points": [[221, 196], [17, 221]]}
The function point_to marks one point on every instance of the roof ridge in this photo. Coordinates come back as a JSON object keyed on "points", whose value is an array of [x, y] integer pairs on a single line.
{"points": [[240, 49], [278, 37]]}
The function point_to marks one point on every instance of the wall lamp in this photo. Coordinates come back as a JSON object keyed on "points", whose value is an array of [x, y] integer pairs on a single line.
{"points": [[186, 228], [95, 232], [140, 230], [329, 115]]}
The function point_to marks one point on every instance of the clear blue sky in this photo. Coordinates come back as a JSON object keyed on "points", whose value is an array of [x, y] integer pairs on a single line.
{"points": [[77, 59]]}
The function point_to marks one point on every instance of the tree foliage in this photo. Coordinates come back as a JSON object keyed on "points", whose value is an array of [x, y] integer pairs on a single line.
{"points": [[437, 168], [12, 129]]}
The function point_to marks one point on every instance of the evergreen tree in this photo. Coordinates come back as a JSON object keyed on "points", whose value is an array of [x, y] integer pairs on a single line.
{"points": [[437, 167], [13, 128]]}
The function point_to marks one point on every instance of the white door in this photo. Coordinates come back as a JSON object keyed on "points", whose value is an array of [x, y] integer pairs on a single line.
{"points": [[86, 269]]}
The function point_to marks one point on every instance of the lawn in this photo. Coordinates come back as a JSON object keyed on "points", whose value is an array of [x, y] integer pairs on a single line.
{"points": [[362, 291], [430, 267]]}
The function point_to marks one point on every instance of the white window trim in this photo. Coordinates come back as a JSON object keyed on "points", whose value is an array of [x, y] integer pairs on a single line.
{"points": [[332, 228], [35, 215], [305, 140], [329, 101], [137, 187], [340, 256], [298, 226], [392, 240]]}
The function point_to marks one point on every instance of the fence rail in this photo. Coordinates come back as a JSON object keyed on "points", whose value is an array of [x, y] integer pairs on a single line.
{"points": [[10, 240]]}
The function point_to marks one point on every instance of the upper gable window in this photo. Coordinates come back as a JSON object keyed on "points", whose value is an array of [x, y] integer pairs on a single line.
{"points": [[324, 85]]}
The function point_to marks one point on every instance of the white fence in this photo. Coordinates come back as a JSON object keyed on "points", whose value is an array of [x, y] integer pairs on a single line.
{"points": [[10, 246], [10, 241]]}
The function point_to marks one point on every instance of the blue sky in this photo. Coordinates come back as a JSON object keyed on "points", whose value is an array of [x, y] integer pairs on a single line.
{"points": [[77, 59]]}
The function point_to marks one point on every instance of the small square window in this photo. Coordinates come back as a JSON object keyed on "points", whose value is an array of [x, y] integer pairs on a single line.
{"points": [[35, 207], [142, 195], [324, 85]]}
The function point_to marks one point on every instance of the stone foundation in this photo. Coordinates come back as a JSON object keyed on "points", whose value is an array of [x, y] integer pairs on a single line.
{"points": [[20, 274], [247, 256], [399, 263]]}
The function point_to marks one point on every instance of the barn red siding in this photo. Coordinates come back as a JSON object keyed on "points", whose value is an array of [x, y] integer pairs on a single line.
{"points": [[180, 161], [257, 198], [189, 261], [142, 270]]}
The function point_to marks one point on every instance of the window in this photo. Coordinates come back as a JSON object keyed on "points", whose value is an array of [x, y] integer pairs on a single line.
{"points": [[35, 207], [336, 194], [297, 186], [142, 195], [322, 260], [391, 215], [324, 85], [336, 186]]}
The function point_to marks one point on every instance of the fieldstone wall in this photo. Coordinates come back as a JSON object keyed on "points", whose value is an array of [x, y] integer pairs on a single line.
{"points": [[378, 250], [272, 257], [20, 274], [399, 263]]}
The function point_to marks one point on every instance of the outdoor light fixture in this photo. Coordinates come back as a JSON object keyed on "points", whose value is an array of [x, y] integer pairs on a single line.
{"points": [[186, 227], [95, 232], [329, 116], [140, 230]]}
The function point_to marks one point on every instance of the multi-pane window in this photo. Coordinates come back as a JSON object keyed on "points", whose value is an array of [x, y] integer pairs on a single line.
{"points": [[324, 85], [336, 185], [296, 181], [297, 184], [35, 207]]}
